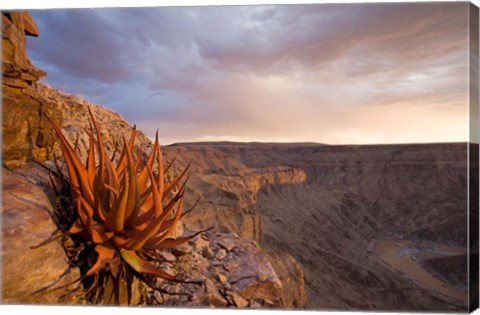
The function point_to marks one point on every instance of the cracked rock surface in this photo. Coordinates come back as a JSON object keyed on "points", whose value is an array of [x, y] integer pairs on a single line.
{"points": [[228, 271]]}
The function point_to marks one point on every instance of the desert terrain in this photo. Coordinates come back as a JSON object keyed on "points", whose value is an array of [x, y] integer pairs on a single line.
{"points": [[375, 227]]}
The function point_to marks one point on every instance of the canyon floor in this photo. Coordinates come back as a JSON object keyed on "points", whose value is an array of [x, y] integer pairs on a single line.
{"points": [[378, 227]]}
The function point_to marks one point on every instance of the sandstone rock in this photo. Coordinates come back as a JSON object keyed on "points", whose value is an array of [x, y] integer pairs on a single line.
{"points": [[222, 278], [226, 242], [237, 299], [290, 273], [29, 24], [168, 257], [239, 289], [214, 298], [231, 265], [182, 249], [27, 221], [221, 254], [15, 62], [28, 135]]}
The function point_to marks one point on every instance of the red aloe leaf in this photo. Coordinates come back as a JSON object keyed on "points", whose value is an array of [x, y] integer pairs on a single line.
{"points": [[173, 223], [116, 216], [97, 235], [139, 238], [138, 160], [123, 158], [91, 162], [76, 170], [143, 177], [133, 195], [175, 182], [161, 174], [146, 216], [100, 179], [142, 266], [76, 227], [155, 243], [105, 255]]}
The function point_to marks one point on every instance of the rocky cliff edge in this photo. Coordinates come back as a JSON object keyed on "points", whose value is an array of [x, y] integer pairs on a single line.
{"points": [[235, 271]]}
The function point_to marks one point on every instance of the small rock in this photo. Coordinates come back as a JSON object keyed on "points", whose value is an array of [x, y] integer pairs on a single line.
{"points": [[207, 252], [204, 248], [238, 251], [168, 256], [226, 243], [201, 243], [239, 301], [269, 303], [216, 299], [158, 296], [231, 265], [221, 254], [222, 278], [182, 249]]}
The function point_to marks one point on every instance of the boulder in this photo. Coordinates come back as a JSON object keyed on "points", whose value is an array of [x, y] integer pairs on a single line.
{"points": [[227, 271], [27, 220]]}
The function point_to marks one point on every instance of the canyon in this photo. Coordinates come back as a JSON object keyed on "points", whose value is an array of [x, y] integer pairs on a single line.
{"points": [[340, 227], [331, 207]]}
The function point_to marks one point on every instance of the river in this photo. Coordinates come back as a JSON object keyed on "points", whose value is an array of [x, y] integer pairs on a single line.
{"points": [[400, 256]]}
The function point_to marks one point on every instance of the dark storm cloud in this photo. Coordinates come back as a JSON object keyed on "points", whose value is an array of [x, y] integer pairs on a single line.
{"points": [[227, 67]]}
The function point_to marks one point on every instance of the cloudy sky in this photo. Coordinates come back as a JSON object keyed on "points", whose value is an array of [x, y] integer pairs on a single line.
{"points": [[328, 73]]}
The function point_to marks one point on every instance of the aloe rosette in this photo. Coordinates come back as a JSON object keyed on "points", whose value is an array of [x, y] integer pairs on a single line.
{"points": [[124, 210]]}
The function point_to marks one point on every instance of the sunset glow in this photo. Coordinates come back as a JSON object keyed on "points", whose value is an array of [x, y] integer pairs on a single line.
{"points": [[327, 73]]}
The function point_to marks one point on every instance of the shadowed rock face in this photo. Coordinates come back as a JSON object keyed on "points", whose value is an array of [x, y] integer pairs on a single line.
{"points": [[329, 205], [27, 220]]}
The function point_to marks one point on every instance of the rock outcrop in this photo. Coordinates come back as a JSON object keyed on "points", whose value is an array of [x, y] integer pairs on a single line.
{"points": [[27, 135], [18, 71], [230, 271], [28, 220]]}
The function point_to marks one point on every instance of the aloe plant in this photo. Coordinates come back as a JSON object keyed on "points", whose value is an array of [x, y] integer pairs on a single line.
{"points": [[123, 211]]}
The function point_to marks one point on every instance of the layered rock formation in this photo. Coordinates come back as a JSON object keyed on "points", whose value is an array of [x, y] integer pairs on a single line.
{"points": [[226, 188]]}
